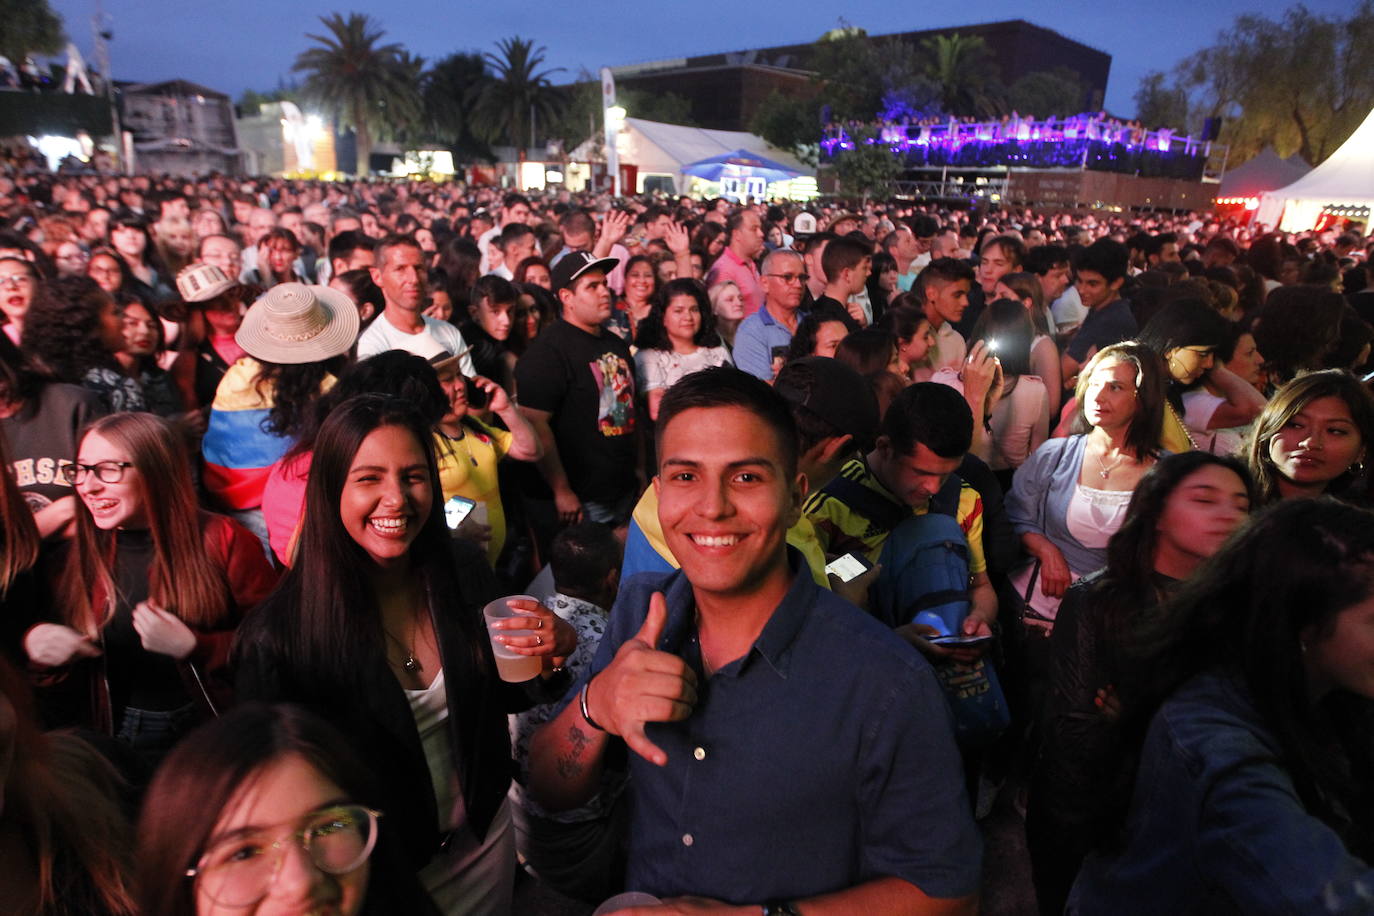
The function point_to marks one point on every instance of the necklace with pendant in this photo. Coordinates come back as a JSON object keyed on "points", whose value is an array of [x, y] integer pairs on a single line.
{"points": [[411, 664], [1106, 471]]}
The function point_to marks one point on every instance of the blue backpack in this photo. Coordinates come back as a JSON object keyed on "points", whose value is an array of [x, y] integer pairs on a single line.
{"points": [[924, 579], [924, 575]]}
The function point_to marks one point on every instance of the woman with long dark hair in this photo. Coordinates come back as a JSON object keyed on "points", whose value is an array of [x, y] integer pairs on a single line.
{"points": [[150, 589], [147, 277], [269, 809], [1313, 438], [378, 628], [1182, 511], [677, 337], [641, 286], [1254, 721]]}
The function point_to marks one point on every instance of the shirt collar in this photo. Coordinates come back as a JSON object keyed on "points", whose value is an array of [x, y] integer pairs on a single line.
{"points": [[773, 644]]}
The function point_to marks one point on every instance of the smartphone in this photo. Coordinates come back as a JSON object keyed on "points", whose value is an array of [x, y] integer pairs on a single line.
{"points": [[457, 509], [959, 641], [848, 567], [992, 345]]}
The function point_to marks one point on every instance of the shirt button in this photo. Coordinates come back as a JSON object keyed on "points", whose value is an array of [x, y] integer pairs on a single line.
{"points": [[699, 753], [687, 839]]}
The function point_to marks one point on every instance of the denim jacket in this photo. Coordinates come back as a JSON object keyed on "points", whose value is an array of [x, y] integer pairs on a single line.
{"points": [[1216, 825]]}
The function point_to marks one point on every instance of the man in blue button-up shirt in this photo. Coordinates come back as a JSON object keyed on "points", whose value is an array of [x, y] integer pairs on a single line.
{"points": [[791, 753]]}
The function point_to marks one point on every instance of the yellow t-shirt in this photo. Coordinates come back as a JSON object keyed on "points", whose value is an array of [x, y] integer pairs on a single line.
{"points": [[467, 467], [841, 529]]}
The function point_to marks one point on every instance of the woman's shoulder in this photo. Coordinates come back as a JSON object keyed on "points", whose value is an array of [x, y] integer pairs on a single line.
{"points": [[1053, 451], [1212, 718]]}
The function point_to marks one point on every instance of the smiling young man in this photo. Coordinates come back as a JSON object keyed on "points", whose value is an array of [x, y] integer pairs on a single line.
{"points": [[791, 754]]}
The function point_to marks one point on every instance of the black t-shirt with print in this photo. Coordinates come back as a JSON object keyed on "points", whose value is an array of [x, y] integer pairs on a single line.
{"points": [[586, 381], [42, 437]]}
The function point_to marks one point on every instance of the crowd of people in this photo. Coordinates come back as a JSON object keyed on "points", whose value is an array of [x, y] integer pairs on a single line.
{"points": [[367, 544]]}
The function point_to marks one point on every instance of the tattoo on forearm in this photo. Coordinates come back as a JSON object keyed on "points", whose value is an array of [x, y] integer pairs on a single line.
{"points": [[570, 764]]}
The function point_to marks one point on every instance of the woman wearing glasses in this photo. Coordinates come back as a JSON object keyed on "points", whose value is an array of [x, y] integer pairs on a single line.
{"points": [[266, 811], [1203, 392], [149, 593]]}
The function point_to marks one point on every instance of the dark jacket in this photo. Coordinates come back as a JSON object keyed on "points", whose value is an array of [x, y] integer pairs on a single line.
{"points": [[1083, 766], [371, 709], [204, 673]]}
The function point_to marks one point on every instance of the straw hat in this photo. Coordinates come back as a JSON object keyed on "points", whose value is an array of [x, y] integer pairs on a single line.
{"points": [[202, 282], [294, 323]]}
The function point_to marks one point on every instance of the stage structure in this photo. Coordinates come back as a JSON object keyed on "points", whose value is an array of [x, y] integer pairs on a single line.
{"points": [[1083, 161]]}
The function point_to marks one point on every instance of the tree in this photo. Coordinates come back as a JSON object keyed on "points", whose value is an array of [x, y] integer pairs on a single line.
{"points": [[31, 27], [516, 93], [1160, 105], [364, 84], [789, 122], [1049, 93], [869, 168], [1299, 82], [963, 71], [447, 104]]}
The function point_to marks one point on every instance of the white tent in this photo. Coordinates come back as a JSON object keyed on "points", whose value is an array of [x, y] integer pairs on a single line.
{"points": [[1345, 179], [663, 149]]}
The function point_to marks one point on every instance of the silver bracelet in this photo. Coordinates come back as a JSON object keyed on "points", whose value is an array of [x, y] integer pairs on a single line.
{"points": [[582, 704]]}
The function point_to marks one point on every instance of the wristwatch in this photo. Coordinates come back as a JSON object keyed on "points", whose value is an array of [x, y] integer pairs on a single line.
{"points": [[780, 908]]}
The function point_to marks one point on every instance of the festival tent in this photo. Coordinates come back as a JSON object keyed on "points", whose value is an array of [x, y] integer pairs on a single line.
{"points": [[665, 149], [1264, 173], [1346, 179]]}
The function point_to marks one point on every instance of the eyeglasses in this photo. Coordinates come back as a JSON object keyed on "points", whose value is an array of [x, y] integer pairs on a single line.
{"points": [[108, 471], [791, 278], [239, 870], [16, 280]]}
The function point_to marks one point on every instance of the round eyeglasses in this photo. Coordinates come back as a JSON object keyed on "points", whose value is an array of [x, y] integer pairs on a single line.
{"points": [[239, 869]]}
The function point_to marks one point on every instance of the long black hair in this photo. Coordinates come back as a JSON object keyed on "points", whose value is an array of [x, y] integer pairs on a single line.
{"points": [[651, 334], [294, 387], [1131, 551], [323, 615], [1249, 613], [1186, 323]]}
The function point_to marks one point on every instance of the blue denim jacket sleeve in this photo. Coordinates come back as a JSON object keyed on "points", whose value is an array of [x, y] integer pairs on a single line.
{"points": [[1216, 823]]}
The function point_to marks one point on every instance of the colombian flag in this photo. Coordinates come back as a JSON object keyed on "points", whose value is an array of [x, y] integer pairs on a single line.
{"points": [[238, 451]]}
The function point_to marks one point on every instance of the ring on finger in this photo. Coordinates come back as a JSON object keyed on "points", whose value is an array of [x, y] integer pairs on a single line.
{"points": [[539, 623], [538, 640]]}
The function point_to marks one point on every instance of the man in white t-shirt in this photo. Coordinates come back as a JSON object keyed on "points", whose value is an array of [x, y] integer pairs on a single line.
{"points": [[399, 271], [943, 288]]}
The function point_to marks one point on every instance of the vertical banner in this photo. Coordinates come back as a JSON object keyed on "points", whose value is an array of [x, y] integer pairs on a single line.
{"points": [[611, 128]]}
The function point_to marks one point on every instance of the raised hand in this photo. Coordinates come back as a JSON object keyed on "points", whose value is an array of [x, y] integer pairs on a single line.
{"points": [[643, 684]]}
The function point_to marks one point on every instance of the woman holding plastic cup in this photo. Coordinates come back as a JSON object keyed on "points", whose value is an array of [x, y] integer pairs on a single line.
{"points": [[378, 628]]}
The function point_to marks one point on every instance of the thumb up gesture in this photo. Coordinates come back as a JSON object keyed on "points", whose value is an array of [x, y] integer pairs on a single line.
{"points": [[643, 685]]}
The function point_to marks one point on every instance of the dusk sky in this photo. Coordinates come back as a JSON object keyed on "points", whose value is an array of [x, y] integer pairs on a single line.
{"points": [[243, 44]]}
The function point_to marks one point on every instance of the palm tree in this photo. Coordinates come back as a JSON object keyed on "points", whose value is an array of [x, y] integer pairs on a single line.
{"points": [[516, 93], [448, 103], [964, 74], [365, 84]]}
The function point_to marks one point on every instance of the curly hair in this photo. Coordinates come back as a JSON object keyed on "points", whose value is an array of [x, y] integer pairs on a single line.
{"points": [[62, 329], [294, 389], [653, 336]]}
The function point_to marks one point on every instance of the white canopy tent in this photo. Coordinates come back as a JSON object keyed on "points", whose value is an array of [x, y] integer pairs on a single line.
{"points": [[1345, 179], [663, 149]]}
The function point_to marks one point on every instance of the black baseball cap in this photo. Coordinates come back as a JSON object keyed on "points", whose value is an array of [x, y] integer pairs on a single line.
{"points": [[575, 264]]}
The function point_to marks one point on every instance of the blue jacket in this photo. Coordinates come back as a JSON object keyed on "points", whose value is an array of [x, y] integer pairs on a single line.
{"points": [[1216, 826]]}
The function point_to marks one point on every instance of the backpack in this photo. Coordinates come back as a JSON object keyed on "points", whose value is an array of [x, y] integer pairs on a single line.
{"points": [[924, 579], [924, 575]]}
